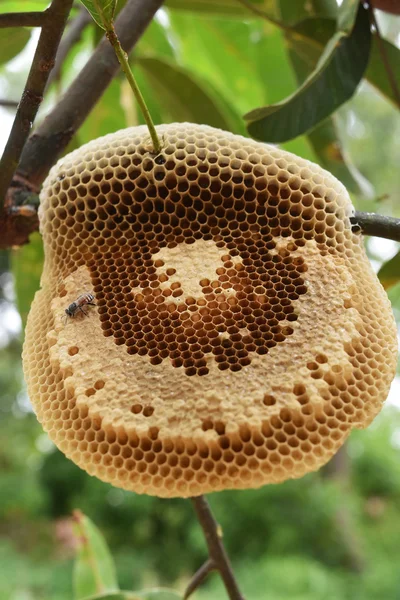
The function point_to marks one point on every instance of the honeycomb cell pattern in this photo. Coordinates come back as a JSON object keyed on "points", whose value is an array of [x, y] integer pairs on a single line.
{"points": [[238, 332]]}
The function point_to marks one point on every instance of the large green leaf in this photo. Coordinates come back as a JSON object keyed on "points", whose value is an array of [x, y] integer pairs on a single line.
{"points": [[394, 297], [231, 56], [224, 52], [376, 72], [117, 596], [27, 265], [94, 569], [102, 11], [22, 6], [159, 594], [223, 8], [389, 273], [12, 41], [183, 96], [331, 154], [324, 138], [154, 594], [297, 11], [309, 38], [347, 15], [156, 41], [332, 83], [107, 116], [276, 75]]}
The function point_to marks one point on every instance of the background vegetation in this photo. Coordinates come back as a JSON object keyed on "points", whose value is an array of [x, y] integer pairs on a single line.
{"points": [[333, 535]]}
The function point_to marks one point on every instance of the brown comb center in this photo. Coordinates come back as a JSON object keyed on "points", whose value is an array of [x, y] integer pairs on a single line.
{"points": [[219, 298]]}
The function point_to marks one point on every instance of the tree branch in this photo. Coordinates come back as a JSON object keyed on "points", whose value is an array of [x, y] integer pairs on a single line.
{"points": [[199, 577], [23, 19], [377, 225], [43, 61], [72, 35], [218, 557], [52, 136], [9, 103]]}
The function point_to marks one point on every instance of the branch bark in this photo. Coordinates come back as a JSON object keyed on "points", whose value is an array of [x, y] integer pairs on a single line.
{"points": [[199, 577], [23, 19], [53, 135], [43, 61], [377, 225], [218, 558]]}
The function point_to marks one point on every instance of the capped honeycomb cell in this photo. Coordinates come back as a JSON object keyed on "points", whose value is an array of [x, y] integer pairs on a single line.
{"points": [[238, 332]]}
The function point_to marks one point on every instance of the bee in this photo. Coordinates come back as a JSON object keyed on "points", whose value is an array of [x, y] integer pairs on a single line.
{"points": [[85, 299]]}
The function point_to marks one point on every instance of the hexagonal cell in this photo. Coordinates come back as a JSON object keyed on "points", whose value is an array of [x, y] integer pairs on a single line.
{"points": [[238, 332]]}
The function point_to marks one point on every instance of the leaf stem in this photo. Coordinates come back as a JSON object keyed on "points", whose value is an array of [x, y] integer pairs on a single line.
{"points": [[123, 60]]}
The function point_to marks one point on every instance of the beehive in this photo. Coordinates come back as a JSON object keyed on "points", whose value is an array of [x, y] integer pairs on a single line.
{"points": [[239, 332]]}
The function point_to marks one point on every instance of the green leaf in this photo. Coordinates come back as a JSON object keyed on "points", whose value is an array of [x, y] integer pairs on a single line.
{"points": [[224, 52], [156, 41], [223, 8], [94, 569], [102, 11], [347, 15], [276, 75], [22, 6], [376, 72], [324, 138], [154, 594], [297, 11], [27, 265], [332, 156], [159, 594], [310, 42], [186, 98], [107, 115], [293, 12], [12, 41], [332, 83], [389, 273], [117, 596], [394, 297]]}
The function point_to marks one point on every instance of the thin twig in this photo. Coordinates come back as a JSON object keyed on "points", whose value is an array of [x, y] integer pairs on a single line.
{"points": [[384, 57], [9, 103], [72, 35], [216, 550], [123, 60], [32, 96], [378, 225], [199, 577], [23, 19]]}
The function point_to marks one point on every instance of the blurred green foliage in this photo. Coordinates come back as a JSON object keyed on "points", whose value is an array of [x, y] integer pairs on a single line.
{"points": [[333, 535]]}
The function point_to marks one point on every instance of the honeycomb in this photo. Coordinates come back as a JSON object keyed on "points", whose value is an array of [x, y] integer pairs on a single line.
{"points": [[238, 332]]}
